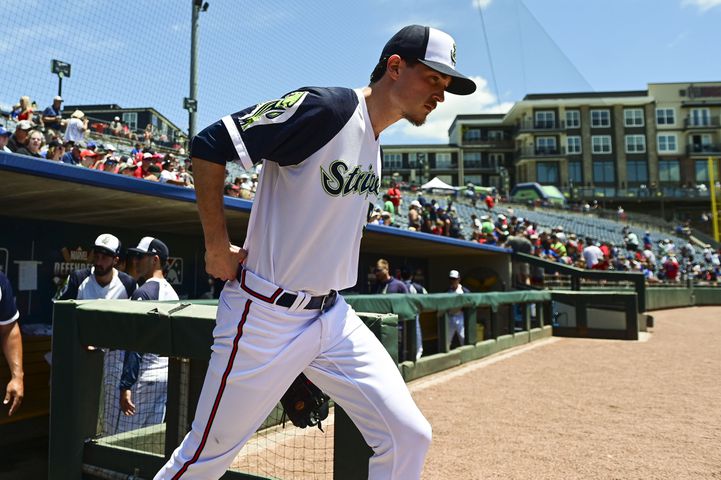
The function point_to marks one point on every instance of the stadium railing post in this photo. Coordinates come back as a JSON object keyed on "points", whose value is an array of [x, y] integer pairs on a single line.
{"points": [[75, 397]]}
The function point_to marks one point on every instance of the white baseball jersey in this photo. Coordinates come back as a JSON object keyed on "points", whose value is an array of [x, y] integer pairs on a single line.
{"points": [[81, 285], [321, 168]]}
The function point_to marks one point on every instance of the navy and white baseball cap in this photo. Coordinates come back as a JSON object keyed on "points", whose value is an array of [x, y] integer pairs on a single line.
{"points": [[108, 244], [151, 246], [434, 49], [4, 132]]}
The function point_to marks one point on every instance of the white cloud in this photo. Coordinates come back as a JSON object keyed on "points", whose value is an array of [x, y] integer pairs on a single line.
{"points": [[676, 41], [481, 3], [702, 5], [439, 121]]}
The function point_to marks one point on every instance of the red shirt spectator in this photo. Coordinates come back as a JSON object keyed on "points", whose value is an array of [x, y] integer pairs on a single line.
{"points": [[395, 195], [490, 202]]}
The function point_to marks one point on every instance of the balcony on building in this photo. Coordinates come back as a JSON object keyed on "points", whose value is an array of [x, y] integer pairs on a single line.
{"points": [[490, 143], [703, 149], [534, 151], [702, 122], [533, 125]]}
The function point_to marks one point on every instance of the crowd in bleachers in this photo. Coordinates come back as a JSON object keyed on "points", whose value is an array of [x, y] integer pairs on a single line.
{"points": [[77, 141], [579, 239]]}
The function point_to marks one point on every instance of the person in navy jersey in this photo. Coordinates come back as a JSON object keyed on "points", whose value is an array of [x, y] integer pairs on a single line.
{"points": [[385, 282], [280, 314], [11, 344], [144, 382]]}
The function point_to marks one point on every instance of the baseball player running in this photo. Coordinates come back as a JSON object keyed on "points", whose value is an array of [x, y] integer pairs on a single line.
{"points": [[279, 313]]}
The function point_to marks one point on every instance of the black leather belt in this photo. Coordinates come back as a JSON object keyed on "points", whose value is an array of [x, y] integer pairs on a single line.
{"points": [[320, 302]]}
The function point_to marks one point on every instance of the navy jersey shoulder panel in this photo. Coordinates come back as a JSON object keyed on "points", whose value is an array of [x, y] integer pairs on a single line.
{"points": [[214, 144], [148, 291], [8, 310], [75, 279], [128, 283], [323, 113]]}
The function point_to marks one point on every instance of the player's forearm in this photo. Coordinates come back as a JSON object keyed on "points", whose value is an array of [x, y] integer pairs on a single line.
{"points": [[12, 347], [209, 178]]}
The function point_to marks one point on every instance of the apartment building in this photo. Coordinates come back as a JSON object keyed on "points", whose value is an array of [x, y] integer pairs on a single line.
{"points": [[637, 143]]}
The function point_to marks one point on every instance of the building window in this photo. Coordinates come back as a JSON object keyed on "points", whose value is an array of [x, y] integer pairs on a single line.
{"points": [[573, 145], [575, 172], [635, 144], [412, 160], [637, 171], [546, 146], [545, 119], [474, 179], [495, 134], [547, 173], [494, 160], [443, 160], [392, 160], [472, 135], [667, 143], [604, 172], [700, 117], [573, 119], [601, 144], [669, 171], [701, 170], [665, 116], [633, 117], [472, 159], [600, 118], [131, 120]]}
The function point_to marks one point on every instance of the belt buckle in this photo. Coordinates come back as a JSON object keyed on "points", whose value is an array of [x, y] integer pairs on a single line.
{"points": [[322, 303]]}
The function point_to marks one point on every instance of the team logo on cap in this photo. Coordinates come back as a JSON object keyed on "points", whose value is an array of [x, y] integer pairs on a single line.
{"points": [[453, 55], [275, 111]]}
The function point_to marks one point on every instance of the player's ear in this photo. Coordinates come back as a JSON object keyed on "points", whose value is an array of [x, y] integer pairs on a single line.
{"points": [[393, 66]]}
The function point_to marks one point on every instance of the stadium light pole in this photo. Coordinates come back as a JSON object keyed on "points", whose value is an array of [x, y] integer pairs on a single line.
{"points": [[191, 103]]}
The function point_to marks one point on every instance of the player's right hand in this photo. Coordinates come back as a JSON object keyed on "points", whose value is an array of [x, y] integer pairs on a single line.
{"points": [[14, 393], [223, 263]]}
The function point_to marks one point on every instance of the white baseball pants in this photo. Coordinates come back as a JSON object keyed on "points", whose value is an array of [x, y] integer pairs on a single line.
{"points": [[260, 348]]}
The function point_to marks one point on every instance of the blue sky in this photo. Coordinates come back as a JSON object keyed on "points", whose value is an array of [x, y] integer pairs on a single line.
{"points": [[136, 53]]}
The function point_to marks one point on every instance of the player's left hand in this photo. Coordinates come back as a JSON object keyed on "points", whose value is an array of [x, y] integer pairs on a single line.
{"points": [[126, 403], [14, 392]]}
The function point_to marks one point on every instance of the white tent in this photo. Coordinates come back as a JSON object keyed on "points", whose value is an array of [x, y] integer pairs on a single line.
{"points": [[437, 184]]}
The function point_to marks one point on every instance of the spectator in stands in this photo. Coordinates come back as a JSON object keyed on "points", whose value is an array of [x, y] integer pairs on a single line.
{"points": [[136, 150], [414, 216], [232, 190], [116, 127], [126, 168], [388, 206], [11, 345], [395, 196], [671, 268], [26, 109], [246, 186], [145, 163], [148, 134], [53, 118], [4, 138], [88, 158], [72, 155], [592, 254], [385, 283], [55, 150], [490, 202], [19, 139], [456, 323], [647, 242], [34, 144], [76, 127], [153, 173], [168, 175]]}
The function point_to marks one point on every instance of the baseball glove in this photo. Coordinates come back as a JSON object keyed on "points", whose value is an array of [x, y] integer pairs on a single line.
{"points": [[304, 404]]}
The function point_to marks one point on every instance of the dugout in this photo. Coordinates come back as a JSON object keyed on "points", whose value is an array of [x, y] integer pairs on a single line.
{"points": [[52, 212]]}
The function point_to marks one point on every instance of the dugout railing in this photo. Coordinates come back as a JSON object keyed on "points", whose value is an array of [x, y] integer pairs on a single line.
{"points": [[183, 332]]}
